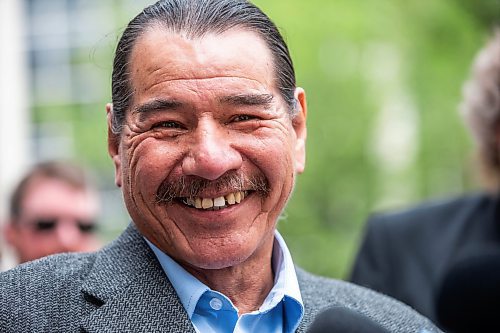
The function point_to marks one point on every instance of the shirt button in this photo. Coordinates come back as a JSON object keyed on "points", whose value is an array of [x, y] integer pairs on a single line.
{"points": [[216, 303]]}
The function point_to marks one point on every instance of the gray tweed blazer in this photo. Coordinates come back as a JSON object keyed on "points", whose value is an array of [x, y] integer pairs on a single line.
{"points": [[122, 288]]}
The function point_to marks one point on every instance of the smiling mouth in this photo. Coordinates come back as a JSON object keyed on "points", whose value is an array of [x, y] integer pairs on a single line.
{"points": [[233, 198]]}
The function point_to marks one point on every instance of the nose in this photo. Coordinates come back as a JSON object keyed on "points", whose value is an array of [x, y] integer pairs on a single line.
{"points": [[211, 155], [68, 236]]}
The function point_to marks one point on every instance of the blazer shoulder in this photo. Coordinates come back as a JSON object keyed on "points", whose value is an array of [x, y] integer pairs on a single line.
{"points": [[59, 267], [319, 293], [33, 293]]}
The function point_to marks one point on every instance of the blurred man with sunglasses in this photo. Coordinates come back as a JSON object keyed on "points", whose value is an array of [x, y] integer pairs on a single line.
{"points": [[52, 210]]}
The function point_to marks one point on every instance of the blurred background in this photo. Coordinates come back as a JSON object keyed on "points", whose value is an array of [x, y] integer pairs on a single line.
{"points": [[383, 80]]}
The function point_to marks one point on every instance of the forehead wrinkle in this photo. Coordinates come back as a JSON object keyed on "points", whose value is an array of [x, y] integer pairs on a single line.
{"points": [[204, 78]]}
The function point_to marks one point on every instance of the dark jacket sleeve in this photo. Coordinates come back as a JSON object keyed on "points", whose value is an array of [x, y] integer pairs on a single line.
{"points": [[372, 266]]}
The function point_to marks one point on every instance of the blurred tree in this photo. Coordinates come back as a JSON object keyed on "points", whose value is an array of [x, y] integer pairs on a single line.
{"points": [[383, 80]]}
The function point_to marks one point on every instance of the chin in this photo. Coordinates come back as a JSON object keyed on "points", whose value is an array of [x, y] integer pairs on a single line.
{"points": [[219, 260]]}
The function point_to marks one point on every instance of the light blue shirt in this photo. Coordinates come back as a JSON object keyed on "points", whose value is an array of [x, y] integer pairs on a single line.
{"points": [[211, 311]]}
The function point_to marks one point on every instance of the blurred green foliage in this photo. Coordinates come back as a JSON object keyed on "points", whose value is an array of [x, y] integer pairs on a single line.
{"points": [[352, 57], [356, 60]]}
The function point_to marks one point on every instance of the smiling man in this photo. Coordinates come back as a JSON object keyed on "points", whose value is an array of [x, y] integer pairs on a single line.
{"points": [[207, 134]]}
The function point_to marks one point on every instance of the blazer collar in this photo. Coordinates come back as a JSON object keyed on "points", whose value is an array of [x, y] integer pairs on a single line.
{"points": [[309, 293], [130, 292]]}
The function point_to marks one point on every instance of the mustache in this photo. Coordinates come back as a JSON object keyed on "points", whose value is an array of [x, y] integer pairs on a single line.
{"points": [[193, 186]]}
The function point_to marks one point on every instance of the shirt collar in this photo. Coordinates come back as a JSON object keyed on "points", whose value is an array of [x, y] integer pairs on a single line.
{"points": [[285, 279], [190, 289]]}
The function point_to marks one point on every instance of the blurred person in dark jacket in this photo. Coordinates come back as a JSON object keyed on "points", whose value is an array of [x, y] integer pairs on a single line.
{"points": [[408, 254], [52, 210]]}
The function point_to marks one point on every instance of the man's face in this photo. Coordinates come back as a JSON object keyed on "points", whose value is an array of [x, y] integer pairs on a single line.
{"points": [[55, 217], [207, 127]]}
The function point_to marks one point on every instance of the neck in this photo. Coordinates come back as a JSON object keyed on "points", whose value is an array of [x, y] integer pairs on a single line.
{"points": [[246, 284]]}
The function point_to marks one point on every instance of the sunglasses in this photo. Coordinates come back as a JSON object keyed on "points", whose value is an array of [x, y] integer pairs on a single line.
{"points": [[50, 224]]}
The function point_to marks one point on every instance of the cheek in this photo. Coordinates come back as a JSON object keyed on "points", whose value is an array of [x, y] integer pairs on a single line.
{"points": [[34, 242], [272, 153], [149, 163]]}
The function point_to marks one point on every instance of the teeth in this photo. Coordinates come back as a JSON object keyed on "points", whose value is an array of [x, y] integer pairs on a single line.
{"points": [[230, 199], [219, 202], [216, 203], [197, 203], [207, 203]]}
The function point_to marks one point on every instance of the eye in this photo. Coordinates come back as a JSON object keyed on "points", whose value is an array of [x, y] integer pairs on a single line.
{"points": [[167, 124], [242, 117]]}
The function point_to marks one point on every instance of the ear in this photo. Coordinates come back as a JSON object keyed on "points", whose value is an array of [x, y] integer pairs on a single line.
{"points": [[299, 125], [114, 145], [10, 234]]}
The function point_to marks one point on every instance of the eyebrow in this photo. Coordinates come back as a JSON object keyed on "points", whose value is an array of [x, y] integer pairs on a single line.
{"points": [[155, 105], [236, 100], [248, 99]]}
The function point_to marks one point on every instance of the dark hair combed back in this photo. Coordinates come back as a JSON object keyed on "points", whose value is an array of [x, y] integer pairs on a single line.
{"points": [[66, 172], [195, 18]]}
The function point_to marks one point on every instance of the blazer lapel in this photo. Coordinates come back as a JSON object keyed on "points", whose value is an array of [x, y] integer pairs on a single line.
{"points": [[130, 292]]}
